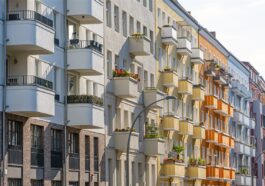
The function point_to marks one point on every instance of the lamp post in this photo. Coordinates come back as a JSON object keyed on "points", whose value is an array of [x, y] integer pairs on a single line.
{"points": [[253, 166], [130, 133]]}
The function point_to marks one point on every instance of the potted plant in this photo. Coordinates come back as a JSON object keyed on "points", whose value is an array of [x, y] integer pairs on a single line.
{"points": [[201, 162], [193, 161], [178, 150]]}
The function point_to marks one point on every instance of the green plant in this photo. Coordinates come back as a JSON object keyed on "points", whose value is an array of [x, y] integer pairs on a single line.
{"points": [[75, 99], [243, 171], [151, 131], [201, 162], [178, 150], [138, 35], [193, 161], [124, 73], [124, 129]]}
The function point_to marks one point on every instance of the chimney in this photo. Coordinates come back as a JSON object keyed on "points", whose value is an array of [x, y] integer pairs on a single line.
{"points": [[213, 34], [189, 12]]}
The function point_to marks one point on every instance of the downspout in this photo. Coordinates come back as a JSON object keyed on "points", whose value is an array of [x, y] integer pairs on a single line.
{"points": [[65, 93], [3, 173]]}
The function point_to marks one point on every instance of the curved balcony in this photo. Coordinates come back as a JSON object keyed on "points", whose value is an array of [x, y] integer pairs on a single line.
{"points": [[198, 93], [121, 138], [242, 179], [86, 11], [186, 127], [184, 46], [139, 45], [30, 96], [222, 108], [170, 123], [185, 86], [224, 140], [212, 136], [85, 57], [198, 132], [197, 172], [125, 87], [212, 172], [151, 95], [170, 78], [211, 102], [154, 146], [197, 56], [173, 170], [85, 111], [169, 35], [31, 27]]}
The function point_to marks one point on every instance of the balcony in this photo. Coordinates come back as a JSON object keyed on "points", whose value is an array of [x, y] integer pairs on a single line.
{"points": [[30, 96], [212, 172], [198, 93], [170, 123], [186, 127], [222, 108], [154, 146], [31, 27], [170, 78], [232, 142], [230, 110], [223, 140], [240, 89], [85, 57], [198, 132], [169, 35], [173, 169], [242, 179], [197, 172], [85, 111], [151, 95], [252, 123], [184, 46], [185, 86], [210, 73], [121, 139], [139, 45], [86, 11], [225, 173], [211, 102], [212, 136], [125, 87], [197, 56], [220, 80]]}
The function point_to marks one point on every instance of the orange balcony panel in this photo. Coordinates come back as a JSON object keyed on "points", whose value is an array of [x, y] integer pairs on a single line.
{"points": [[232, 142], [211, 102], [222, 108], [211, 136], [224, 140], [212, 172], [231, 111], [226, 173], [232, 174]]}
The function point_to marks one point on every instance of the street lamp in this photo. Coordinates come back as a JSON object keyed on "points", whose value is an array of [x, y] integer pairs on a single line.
{"points": [[130, 133], [253, 166]]}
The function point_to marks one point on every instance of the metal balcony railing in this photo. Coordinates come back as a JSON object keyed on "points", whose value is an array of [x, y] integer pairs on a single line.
{"points": [[29, 15], [85, 44], [29, 80], [37, 157]]}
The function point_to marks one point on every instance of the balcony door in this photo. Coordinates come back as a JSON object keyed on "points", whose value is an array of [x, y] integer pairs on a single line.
{"points": [[72, 85]]}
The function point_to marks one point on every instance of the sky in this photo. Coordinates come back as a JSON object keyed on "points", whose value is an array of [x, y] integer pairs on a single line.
{"points": [[239, 25]]}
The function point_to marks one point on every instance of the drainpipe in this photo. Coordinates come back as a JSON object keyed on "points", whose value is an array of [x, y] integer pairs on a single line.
{"points": [[65, 94], [3, 173]]}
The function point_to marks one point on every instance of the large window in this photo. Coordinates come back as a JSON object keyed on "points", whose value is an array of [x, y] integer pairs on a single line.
{"points": [[96, 158], [108, 13], [15, 142], [116, 18], [109, 64], [56, 148], [87, 153], [124, 24], [37, 156], [14, 182], [37, 183], [73, 151]]}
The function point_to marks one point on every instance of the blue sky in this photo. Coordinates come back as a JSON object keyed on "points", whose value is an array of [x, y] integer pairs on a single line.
{"points": [[240, 26]]}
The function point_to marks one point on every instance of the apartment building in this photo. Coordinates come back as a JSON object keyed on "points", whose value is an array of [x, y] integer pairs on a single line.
{"points": [[130, 85], [216, 112], [52, 92], [242, 126], [179, 60], [256, 86]]}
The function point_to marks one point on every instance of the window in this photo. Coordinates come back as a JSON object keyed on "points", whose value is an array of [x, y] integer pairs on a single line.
{"points": [[37, 154], [14, 182], [96, 161], [87, 153], [73, 183], [110, 119], [116, 61], [152, 81], [124, 64], [151, 5], [14, 133], [37, 183], [152, 42], [138, 27], [110, 180], [159, 17], [73, 151], [124, 23], [56, 148], [109, 64], [56, 183], [131, 25], [116, 18], [108, 13], [144, 3], [145, 31], [145, 78]]}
